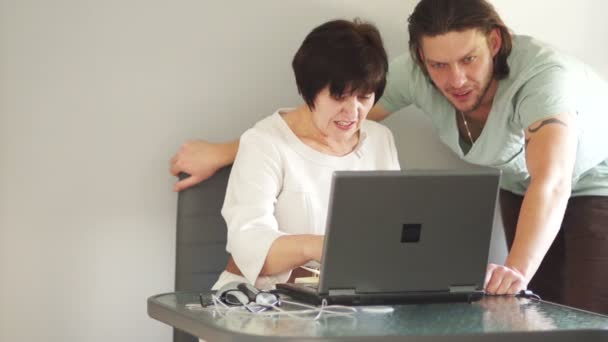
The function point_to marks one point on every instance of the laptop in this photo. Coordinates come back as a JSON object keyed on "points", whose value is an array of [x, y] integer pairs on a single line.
{"points": [[397, 237]]}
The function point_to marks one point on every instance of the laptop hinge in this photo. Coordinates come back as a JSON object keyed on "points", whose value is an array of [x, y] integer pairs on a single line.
{"points": [[342, 292], [463, 288]]}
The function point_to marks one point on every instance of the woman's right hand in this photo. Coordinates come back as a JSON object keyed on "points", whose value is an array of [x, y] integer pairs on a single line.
{"points": [[314, 247], [200, 159], [290, 251]]}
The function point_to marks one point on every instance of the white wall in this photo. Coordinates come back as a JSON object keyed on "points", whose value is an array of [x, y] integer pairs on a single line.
{"points": [[95, 96]]}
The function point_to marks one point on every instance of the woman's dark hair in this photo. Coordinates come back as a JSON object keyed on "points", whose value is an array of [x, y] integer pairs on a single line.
{"points": [[344, 55], [436, 17]]}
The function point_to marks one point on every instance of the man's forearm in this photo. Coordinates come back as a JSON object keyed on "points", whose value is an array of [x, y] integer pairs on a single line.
{"points": [[378, 113], [540, 219], [229, 150]]}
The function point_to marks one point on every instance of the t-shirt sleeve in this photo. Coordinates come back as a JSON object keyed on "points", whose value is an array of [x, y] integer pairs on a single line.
{"points": [[253, 186], [548, 93], [397, 93]]}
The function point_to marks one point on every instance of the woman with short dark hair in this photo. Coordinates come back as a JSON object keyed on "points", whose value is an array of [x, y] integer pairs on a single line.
{"points": [[278, 192]]}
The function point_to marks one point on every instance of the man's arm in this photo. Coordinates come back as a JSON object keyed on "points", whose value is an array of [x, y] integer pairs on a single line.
{"points": [[378, 113], [550, 156], [201, 159]]}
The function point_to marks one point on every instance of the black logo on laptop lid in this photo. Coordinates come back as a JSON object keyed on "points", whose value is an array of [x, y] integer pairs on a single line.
{"points": [[411, 232]]}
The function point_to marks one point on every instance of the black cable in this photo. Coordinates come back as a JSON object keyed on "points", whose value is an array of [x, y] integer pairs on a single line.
{"points": [[527, 294]]}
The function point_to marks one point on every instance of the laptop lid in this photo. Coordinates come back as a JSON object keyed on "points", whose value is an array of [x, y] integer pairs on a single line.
{"points": [[408, 231]]}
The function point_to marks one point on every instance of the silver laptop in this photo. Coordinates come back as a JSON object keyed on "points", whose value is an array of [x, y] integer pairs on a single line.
{"points": [[405, 237]]}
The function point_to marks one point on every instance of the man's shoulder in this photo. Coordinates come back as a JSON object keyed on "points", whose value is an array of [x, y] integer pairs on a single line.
{"points": [[404, 63], [525, 42], [532, 59], [530, 53]]}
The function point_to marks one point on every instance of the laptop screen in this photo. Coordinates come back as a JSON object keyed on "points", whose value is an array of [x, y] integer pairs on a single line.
{"points": [[400, 231]]}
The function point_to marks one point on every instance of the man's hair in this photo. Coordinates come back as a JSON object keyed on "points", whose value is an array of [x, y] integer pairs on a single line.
{"points": [[344, 55], [436, 17]]}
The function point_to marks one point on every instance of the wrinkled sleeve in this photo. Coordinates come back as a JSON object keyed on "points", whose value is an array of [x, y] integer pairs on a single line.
{"points": [[254, 184], [397, 93], [548, 93], [556, 91]]}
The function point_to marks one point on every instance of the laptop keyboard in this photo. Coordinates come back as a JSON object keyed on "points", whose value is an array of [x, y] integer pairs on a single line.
{"points": [[313, 286]]}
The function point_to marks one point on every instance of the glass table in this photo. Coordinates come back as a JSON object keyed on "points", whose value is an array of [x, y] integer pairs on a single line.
{"points": [[493, 318]]}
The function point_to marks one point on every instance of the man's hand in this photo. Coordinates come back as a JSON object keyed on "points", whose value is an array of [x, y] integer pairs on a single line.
{"points": [[200, 159], [504, 280]]}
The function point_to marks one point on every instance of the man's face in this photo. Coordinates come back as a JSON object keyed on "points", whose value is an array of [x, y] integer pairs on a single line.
{"points": [[460, 63]]}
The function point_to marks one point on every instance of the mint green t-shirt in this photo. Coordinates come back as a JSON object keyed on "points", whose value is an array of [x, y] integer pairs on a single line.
{"points": [[541, 83]]}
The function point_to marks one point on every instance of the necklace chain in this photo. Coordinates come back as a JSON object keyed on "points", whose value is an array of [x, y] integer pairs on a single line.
{"points": [[466, 127]]}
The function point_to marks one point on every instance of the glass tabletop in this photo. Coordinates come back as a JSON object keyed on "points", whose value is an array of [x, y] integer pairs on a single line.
{"points": [[491, 314]]}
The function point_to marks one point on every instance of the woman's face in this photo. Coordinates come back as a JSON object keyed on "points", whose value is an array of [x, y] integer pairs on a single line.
{"points": [[339, 118]]}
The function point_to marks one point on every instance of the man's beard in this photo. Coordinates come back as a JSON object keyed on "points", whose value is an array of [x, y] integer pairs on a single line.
{"points": [[479, 99], [484, 92]]}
